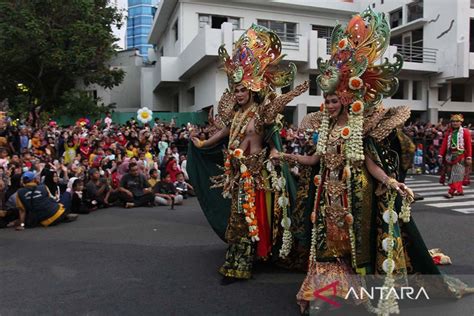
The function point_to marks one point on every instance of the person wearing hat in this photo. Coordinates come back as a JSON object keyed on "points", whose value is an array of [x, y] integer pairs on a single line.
{"points": [[456, 154], [36, 207]]}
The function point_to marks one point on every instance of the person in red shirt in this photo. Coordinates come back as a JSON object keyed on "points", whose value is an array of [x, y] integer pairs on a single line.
{"points": [[456, 154]]}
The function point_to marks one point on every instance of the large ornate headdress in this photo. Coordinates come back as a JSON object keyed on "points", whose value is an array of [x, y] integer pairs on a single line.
{"points": [[351, 74], [255, 60]]}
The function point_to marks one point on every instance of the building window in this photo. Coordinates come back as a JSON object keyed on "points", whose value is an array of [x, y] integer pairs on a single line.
{"points": [[471, 36], [162, 52], [401, 93], [396, 18], [373, 5], [443, 93], [285, 30], [191, 96], [381, 1], [313, 86], [215, 21], [176, 30], [415, 10], [461, 92], [324, 32], [417, 90]]}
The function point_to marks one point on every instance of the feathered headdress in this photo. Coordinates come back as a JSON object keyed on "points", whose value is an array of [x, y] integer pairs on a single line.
{"points": [[255, 59], [350, 72]]}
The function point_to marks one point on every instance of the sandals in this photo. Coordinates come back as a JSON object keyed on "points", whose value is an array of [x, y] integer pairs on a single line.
{"points": [[448, 196]]}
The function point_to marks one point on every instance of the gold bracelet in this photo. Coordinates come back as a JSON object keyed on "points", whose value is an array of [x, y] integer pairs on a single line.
{"points": [[200, 143]]}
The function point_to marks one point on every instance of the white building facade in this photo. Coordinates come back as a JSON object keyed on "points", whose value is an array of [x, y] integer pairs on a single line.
{"points": [[432, 35]]}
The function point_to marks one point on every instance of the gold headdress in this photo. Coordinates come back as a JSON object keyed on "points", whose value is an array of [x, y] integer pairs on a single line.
{"points": [[457, 117], [255, 60]]}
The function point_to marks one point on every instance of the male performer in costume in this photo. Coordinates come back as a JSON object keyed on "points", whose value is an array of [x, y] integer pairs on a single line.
{"points": [[246, 117], [456, 154]]}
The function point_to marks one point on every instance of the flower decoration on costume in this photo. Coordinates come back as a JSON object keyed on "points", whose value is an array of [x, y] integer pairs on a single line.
{"points": [[355, 83], [317, 180], [357, 107], [255, 59], [238, 153], [342, 44], [144, 115], [346, 132], [249, 206]]}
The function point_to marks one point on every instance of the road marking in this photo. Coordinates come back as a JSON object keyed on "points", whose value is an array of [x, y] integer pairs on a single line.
{"points": [[441, 189], [452, 204], [442, 198], [464, 210], [437, 193], [417, 181]]}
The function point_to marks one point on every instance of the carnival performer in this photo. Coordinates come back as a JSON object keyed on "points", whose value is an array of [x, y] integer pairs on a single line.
{"points": [[358, 227], [246, 121], [456, 155]]}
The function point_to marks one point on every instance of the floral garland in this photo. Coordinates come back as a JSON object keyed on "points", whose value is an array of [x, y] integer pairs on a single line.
{"points": [[279, 184], [312, 250], [237, 132], [323, 132], [249, 202], [354, 150], [460, 141]]}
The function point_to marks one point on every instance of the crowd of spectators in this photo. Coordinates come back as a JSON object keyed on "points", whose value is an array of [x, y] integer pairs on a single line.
{"points": [[93, 165], [89, 166]]}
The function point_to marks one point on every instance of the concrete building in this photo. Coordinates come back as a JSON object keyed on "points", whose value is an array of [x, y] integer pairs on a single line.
{"points": [[129, 95], [433, 36], [139, 20]]}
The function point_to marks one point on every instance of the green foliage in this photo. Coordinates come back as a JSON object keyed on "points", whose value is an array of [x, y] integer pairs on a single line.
{"points": [[76, 103], [48, 45]]}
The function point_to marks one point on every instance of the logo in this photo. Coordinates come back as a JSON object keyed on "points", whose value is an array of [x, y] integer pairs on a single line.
{"points": [[333, 287]]}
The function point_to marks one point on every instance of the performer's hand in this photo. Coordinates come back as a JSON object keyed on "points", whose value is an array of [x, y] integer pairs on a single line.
{"points": [[197, 142], [404, 190], [275, 158]]}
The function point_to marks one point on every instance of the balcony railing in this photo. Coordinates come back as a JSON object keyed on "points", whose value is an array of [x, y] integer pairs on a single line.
{"points": [[416, 54]]}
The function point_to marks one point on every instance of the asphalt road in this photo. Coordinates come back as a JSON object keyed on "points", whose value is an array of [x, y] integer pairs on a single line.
{"points": [[156, 261]]}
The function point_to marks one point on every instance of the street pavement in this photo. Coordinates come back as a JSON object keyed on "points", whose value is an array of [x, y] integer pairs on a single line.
{"points": [[157, 261]]}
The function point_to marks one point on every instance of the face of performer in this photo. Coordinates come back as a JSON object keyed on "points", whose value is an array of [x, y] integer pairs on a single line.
{"points": [[242, 95], [456, 124], [333, 105]]}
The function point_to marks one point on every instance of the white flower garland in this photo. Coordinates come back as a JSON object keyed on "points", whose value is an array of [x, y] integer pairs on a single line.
{"points": [[354, 149], [279, 184], [323, 133]]}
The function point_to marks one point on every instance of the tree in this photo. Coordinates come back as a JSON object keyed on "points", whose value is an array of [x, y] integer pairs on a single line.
{"points": [[46, 46]]}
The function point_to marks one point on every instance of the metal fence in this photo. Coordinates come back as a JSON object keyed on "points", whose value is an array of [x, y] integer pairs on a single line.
{"points": [[417, 54]]}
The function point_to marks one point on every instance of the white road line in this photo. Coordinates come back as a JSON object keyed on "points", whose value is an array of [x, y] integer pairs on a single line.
{"points": [[435, 193], [424, 185], [436, 188], [452, 204], [442, 198], [464, 210], [418, 181]]}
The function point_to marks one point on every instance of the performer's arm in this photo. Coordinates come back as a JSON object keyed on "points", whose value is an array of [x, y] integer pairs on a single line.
{"points": [[303, 160], [444, 146], [279, 103], [467, 145], [380, 175], [213, 140]]}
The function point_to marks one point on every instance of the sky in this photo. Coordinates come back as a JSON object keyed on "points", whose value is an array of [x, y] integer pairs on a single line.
{"points": [[121, 4]]}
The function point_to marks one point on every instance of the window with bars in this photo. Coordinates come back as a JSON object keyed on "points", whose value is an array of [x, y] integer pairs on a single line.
{"points": [[215, 21], [396, 18], [324, 32], [285, 30]]}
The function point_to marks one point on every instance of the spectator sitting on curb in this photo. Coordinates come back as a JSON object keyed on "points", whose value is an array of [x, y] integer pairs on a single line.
{"points": [[183, 188], [166, 193], [36, 207], [134, 189]]}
